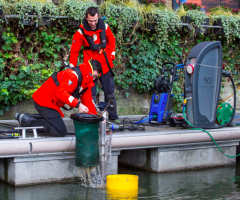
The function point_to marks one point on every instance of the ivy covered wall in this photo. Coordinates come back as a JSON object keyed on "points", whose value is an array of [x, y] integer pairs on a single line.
{"points": [[36, 38]]}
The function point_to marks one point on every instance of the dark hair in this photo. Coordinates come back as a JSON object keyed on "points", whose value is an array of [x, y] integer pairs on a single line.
{"points": [[92, 11], [96, 66]]}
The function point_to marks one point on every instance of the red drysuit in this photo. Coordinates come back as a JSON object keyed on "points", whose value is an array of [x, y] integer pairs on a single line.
{"points": [[79, 40], [51, 96]]}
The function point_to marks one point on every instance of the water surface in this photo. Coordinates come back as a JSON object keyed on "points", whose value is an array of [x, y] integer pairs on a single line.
{"points": [[216, 183]]}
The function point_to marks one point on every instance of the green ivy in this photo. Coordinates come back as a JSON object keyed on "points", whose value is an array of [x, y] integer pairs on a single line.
{"points": [[141, 49], [142, 67], [51, 44], [9, 39], [18, 87]]}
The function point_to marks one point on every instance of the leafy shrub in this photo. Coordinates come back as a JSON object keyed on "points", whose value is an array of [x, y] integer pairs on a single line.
{"points": [[25, 7], [224, 10], [159, 2], [236, 11], [197, 17], [75, 9], [221, 10], [191, 6]]}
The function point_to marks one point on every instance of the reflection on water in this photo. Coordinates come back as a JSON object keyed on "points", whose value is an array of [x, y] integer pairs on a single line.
{"points": [[217, 183], [121, 194], [59, 191]]}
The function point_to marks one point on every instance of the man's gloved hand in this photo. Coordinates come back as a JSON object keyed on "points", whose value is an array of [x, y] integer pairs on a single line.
{"points": [[71, 65], [68, 65], [102, 106], [82, 108]]}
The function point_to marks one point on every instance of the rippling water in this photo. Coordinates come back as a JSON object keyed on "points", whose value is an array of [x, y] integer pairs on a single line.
{"points": [[217, 183], [91, 176]]}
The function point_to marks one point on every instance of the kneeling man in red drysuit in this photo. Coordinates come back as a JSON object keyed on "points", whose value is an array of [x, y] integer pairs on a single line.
{"points": [[65, 87]]}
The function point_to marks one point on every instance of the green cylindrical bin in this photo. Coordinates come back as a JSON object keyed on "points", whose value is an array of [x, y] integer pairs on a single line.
{"points": [[87, 148]]}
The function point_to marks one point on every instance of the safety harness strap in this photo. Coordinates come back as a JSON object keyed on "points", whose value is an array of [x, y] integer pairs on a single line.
{"points": [[95, 47], [54, 77], [76, 94], [108, 64], [87, 48]]}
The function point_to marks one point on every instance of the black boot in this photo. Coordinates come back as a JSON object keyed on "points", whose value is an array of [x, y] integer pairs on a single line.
{"points": [[19, 115], [112, 111], [16, 116], [26, 121], [36, 116]]}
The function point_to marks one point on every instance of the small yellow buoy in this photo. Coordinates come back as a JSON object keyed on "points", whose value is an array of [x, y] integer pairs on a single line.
{"points": [[122, 181], [120, 186]]}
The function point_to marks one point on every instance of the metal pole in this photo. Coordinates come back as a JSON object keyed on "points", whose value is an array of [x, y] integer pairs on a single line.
{"points": [[102, 147]]}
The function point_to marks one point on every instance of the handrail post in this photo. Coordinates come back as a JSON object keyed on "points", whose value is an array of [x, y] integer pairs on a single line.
{"points": [[102, 147]]}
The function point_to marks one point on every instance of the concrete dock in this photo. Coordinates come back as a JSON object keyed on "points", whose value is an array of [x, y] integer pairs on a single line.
{"points": [[49, 159]]}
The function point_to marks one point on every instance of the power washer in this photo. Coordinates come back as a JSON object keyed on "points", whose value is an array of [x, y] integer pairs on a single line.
{"points": [[162, 102]]}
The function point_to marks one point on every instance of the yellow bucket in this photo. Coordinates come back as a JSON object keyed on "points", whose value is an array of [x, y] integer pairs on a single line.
{"points": [[121, 186]]}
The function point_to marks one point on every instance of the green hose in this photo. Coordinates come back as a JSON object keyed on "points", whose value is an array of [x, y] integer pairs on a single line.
{"points": [[208, 134]]}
